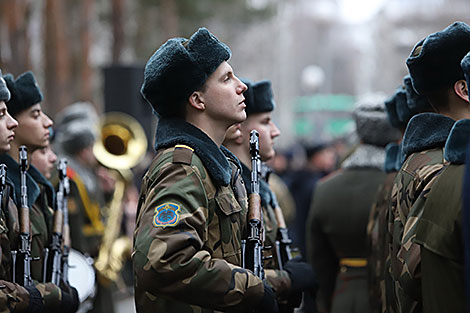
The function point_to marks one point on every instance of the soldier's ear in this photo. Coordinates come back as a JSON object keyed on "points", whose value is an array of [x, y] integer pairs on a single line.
{"points": [[461, 89], [197, 101]]}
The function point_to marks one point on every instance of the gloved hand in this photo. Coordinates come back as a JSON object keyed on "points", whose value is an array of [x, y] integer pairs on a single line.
{"points": [[269, 302], [301, 275], [35, 300], [70, 300]]}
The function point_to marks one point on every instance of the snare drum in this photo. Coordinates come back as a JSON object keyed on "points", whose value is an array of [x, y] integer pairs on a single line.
{"points": [[82, 277]]}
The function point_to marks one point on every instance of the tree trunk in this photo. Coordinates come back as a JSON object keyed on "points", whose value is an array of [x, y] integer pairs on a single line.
{"points": [[86, 91], [118, 30], [57, 67]]}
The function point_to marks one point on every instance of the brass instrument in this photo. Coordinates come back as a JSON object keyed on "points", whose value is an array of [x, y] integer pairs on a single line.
{"points": [[121, 145]]}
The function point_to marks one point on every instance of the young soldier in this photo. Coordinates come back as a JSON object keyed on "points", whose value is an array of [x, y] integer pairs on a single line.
{"points": [[44, 161], [440, 231], [297, 276], [33, 132], [434, 66], [187, 242], [338, 218]]}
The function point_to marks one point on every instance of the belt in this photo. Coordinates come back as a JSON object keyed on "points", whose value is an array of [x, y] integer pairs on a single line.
{"points": [[353, 262]]}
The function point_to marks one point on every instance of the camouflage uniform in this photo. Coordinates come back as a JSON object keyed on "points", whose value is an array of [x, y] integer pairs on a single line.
{"points": [[439, 231], [187, 241], [377, 231], [423, 147], [41, 221]]}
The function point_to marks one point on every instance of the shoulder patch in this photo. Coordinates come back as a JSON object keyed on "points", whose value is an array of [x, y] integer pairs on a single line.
{"points": [[183, 154], [166, 214]]}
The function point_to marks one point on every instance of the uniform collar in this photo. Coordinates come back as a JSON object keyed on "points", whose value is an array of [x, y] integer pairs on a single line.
{"points": [[426, 131], [457, 143], [172, 131]]}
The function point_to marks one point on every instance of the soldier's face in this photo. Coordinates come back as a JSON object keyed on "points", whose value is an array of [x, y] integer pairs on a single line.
{"points": [[267, 130], [222, 96], [7, 126], [33, 128], [44, 159]]}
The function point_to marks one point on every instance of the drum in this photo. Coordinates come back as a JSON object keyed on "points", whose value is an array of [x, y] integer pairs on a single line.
{"points": [[82, 277]]}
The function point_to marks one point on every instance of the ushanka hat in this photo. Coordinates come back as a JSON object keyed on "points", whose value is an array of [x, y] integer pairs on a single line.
{"points": [[24, 91], [178, 68], [434, 62], [259, 97], [416, 103], [372, 124], [397, 109], [4, 92], [465, 64]]}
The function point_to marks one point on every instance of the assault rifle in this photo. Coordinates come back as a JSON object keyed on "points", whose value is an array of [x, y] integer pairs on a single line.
{"points": [[64, 189], [283, 242], [252, 248], [24, 251], [3, 183]]}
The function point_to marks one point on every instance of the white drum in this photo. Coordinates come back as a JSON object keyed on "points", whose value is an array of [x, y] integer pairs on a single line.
{"points": [[82, 276]]}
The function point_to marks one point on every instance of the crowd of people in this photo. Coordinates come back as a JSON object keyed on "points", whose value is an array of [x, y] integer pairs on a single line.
{"points": [[222, 222]]}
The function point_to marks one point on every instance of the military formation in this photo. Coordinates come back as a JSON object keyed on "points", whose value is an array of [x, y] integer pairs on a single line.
{"points": [[386, 232]]}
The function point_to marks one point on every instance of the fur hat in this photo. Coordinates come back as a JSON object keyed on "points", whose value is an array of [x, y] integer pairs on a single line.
{"points": [[372, 124], [416, 103], [24, 91], [178, 68], [397, 109], [465, 64], [434, 62], [260, 98], [4, 92], [76, 127]]}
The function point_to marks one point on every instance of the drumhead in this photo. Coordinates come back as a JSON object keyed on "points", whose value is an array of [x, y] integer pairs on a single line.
{"points": [[81, 274]]}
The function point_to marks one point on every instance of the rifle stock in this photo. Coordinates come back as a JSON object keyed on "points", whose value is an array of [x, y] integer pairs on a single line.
{"points": [[252, 248]]}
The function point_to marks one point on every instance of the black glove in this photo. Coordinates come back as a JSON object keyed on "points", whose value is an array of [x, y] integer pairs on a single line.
{"points": [[301, 275], [70, 300], [269, 302], [35, 300]]}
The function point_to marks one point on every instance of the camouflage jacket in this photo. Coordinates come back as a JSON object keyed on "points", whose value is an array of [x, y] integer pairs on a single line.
{"points": [[423, 145], [439, 231], [377, 231], [187, 241], [41, 220], [278, 279]]}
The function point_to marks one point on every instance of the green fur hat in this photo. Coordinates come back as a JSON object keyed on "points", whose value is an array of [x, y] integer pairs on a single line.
{"points": [[178, 68], [465, 64], [434, 62], [416, 103], [24, 91], [4, 92], [260, 98]]}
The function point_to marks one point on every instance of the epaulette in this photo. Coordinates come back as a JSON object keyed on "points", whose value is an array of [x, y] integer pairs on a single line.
{"points": [[183, 154]]}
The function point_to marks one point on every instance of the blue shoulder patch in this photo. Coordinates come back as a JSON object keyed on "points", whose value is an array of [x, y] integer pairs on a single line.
{"points": [[166, 214]]}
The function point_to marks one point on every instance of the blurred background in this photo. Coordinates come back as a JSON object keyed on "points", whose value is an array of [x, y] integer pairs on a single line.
{"points": [[319, 54]]}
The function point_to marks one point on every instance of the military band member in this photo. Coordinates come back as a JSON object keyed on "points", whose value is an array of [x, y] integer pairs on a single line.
{"points": [[33, 132], [187, 242], [434, 66]]}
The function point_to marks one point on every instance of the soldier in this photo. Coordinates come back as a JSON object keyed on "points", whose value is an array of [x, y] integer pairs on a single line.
{"points": [[44, 160], [340, 209], [434, 66], [187, 241], [33, 132], [439, 230], [296, 276], [400, 108]]}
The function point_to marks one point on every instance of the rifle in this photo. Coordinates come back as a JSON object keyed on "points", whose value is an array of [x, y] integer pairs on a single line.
{"points": [[58, 225], [283, 249], [64, 189], [3, 183], [252, 256], [24, 251]]}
